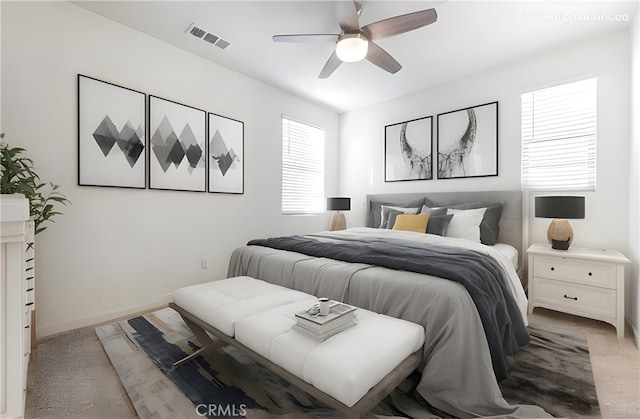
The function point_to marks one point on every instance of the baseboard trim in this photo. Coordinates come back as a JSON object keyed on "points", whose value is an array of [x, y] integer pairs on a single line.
{"points": [[636, 335], [634, 327], [103, 318]]}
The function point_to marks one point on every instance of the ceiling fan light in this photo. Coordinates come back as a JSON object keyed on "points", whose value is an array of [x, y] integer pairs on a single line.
{"points": [[352, 48]]}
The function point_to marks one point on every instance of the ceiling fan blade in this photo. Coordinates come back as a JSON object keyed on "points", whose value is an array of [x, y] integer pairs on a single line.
{"points": [[347, 14], [332, 63], [382, 58], [400, 24], [312, 38]]}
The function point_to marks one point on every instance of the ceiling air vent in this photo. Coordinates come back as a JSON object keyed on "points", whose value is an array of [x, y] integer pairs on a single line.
{"points": [[210, 38], [197, 32], [207, 36]]}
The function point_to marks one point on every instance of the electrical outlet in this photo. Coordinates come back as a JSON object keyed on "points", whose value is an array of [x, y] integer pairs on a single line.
{"points": [[203, 263]]}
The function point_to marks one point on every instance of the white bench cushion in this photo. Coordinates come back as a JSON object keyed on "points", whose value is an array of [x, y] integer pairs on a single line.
{"points": [[222, 303], [346, 365]]}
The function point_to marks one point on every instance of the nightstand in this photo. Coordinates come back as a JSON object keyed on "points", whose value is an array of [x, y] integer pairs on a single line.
{"points": [[584, 282]]}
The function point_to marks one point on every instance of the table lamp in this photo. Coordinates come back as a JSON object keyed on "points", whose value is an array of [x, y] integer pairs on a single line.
{"points": [[338, 204], [560, 208]]}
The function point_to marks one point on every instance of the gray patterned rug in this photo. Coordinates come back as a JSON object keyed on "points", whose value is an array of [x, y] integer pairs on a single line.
{"points": [[553, 372]]}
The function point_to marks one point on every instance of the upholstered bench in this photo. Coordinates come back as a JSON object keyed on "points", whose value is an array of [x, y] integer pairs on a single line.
{"points": [[221, 303], [351, 371]]}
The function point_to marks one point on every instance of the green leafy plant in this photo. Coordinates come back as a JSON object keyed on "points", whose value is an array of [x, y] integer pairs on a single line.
{"points": [[18, 177]]}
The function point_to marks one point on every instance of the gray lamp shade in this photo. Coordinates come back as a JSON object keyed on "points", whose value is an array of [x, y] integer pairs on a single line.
{"points": [[338, 204], [565, 207]]}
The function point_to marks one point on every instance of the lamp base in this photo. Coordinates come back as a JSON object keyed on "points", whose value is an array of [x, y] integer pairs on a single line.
{"points": [[560, 234], [338, 222], [560, 245]]}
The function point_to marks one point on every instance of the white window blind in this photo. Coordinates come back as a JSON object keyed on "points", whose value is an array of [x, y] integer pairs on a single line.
{"points": [[302, 168], [559, 137]]}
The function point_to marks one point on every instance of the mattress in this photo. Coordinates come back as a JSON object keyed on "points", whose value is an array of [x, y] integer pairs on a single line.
{"points": [[509, 252]]}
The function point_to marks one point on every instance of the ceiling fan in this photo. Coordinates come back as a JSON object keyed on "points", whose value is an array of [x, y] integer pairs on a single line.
{"points": [[354, 43]]}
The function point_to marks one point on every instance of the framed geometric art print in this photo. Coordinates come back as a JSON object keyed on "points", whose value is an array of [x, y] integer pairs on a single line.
{"points": [[177, 138], [408, 150], [468, 142], [226, 155], [111, 135]]}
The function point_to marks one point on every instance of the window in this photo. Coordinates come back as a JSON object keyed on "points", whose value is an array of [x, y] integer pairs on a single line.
{"points": [[302, 168], [559, 137]]}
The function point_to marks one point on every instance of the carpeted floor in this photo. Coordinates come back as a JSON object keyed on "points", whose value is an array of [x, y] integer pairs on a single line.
{"points": [[553, 372]]}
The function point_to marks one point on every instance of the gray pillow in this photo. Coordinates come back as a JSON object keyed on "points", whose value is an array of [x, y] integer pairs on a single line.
{"points": [[438, 224], [392, 218], [490, 225], [374, 217], [386, 210], [433, 211]]}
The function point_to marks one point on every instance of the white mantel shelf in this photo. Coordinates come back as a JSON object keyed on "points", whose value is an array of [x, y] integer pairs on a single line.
{"points": [[13, 208]]}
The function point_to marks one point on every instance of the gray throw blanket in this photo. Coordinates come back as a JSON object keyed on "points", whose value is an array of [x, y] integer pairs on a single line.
{"points": [[482, 277]]}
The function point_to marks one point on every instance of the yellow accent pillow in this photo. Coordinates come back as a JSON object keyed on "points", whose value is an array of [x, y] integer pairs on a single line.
{"points": [[411, 222]]}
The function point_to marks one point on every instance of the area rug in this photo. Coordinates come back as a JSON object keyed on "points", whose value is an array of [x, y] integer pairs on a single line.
{"points": [[553, 372]]}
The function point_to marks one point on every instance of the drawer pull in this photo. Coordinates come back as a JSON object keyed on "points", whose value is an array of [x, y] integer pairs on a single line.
{"points": [[590, 274], [553, 269], [571, 298]]}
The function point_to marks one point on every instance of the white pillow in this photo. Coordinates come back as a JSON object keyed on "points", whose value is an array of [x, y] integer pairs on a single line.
{"points": [[465, 224]]}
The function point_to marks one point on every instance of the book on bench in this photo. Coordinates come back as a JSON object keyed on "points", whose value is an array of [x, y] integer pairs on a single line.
{"points": [[341, 317]]}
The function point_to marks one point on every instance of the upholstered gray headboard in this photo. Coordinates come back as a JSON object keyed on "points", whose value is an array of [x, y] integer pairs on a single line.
{"points": [[510, 222]]}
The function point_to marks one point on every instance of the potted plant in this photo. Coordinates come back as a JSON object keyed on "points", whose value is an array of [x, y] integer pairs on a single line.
{"points": [[19, 177]]}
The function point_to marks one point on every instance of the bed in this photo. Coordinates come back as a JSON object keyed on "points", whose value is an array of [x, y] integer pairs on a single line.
{"points": [[474, 320]]}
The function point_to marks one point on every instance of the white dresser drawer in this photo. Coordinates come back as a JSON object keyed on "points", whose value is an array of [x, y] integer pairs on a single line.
{"points": [[30, 299], [577, 299], [584, 282], [577, 271], [27, 333]]}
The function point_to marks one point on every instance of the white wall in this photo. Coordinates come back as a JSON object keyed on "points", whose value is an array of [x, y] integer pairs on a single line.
{"points": [[116, 251], [633, 284], [607, 209], [362, 134]]}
